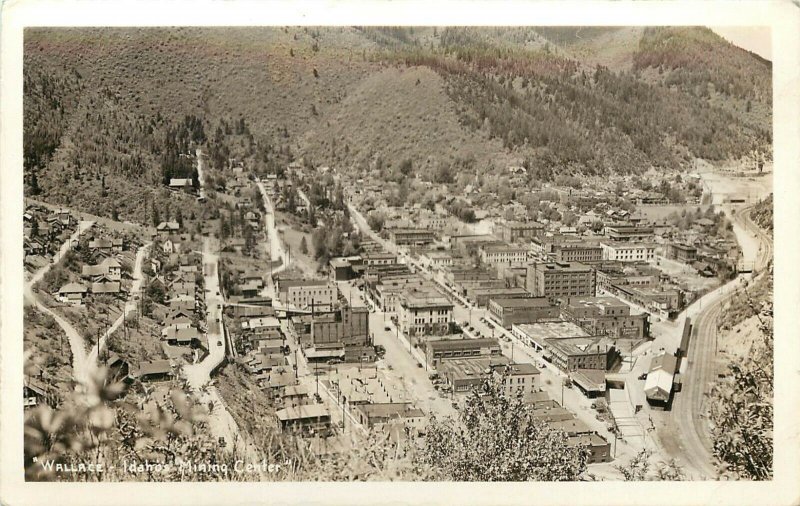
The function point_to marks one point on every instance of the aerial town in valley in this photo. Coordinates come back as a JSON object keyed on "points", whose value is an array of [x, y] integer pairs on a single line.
{"points": [[588, 321], [332, 307]]}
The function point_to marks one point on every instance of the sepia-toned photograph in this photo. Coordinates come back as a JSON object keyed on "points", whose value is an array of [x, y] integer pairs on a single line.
{"points": [[406, 253]]}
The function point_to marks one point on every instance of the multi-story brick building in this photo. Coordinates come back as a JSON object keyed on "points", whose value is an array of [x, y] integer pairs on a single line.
{"points": [[518, 379], [512, 231], [628, 252], [348, 326], [682, 252], [303, 294], [503, 254], [559, 280], [580, 353], [437, 352], [607, 316], [424, 311], [411, 236], [628, 232], [481, 295], [379, 258], [577, 252], [510, 311]]}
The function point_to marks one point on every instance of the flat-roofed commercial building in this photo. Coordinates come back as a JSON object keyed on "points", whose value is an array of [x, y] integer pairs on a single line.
{"points": [[455, 276], [437, 352], [577, 252], [411, 236], [560, 280], [348, 326], [481, 295], [388, 413], [599, 448], [606, 315], [379, 258], [303, 293], [436, 259], [538, 334], [682, 252], [510, 311], [580, 353], [611, 274], [386, 293], [628, 232], [518, 379], [628, 252], [512, 231], [424, 311], [340, 269], [304, 418], [465, 373], [503, 254]]}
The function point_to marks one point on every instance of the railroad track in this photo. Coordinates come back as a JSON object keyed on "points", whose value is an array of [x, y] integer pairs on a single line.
{"points": [[690, 407]]}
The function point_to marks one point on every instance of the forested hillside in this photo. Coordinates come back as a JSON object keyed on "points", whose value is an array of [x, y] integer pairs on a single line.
{"points": [[762, 214], [109, 112]]}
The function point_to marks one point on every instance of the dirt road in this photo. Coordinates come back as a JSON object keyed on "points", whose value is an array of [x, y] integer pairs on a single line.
{"points": [[131, 305], [76, 342]]}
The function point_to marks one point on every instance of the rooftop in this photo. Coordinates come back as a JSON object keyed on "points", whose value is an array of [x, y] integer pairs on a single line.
{"points": [[664, 362], [266, 321], [339, 262], [510, 302], [554, 330], [497, 248], [423, 297], [518, 369], [602, 303], [463, 344], [476, 368], [302, 412], [580, 345], [285, 284], [154, 367], [564, 267]]}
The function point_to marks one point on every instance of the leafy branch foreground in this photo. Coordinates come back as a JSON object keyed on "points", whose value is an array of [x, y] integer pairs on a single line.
{"points": [[495, 438], [742, 406]]}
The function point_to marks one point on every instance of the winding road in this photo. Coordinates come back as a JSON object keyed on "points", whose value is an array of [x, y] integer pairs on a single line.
{"points": [[76, 342]]}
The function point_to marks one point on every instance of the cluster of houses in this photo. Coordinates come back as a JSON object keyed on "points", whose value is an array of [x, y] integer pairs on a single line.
{"points": [[43, 233], [177, 271], [111, 257]]}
